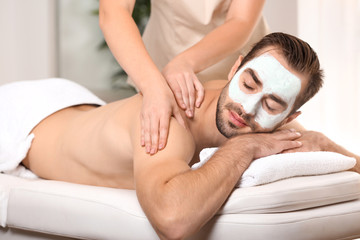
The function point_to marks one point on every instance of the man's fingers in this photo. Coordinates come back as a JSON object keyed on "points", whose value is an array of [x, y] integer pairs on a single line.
{"points": [[292, 150], [200, 92], [291, 145], [287, 134]]}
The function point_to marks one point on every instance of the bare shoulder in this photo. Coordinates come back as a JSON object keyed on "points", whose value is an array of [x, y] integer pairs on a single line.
{"points": [[215, 84], [180, 140], [151, 170], [180, 143]]}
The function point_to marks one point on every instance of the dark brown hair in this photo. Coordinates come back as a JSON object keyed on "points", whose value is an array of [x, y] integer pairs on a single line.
{"points": [[299, 55]]}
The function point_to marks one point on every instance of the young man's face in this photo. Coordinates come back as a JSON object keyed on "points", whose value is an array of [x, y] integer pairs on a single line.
{"points": [[259, 97]]}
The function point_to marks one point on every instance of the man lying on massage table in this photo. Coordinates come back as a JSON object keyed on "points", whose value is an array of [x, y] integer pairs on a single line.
{"points": [[100, 146]]}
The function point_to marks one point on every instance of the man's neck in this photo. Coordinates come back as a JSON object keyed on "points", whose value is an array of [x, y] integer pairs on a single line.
{"points": [[203, 125]]}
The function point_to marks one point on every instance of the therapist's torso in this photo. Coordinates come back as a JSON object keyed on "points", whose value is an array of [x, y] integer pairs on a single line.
{"points": [[174, 26]]}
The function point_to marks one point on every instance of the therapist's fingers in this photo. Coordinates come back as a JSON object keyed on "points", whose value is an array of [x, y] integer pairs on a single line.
{"points": [[176, 89], [154, 137], [185, 96], [164, 130], [192, 95], [287, 134], [142, 135], [200, 92], [147, 133]]}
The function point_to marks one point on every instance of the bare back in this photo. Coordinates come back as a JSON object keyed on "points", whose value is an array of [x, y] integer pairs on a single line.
{"points": [[64, 148], [97, 145]]}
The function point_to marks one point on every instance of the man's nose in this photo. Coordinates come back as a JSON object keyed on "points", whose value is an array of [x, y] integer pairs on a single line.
{"points": [[252, 105]]}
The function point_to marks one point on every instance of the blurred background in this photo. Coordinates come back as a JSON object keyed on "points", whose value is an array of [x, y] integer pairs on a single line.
{"points": [[62, 38]]}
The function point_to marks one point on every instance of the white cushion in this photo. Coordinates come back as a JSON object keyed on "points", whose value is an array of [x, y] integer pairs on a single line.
{"points": [[294, 194], [337, 221]]}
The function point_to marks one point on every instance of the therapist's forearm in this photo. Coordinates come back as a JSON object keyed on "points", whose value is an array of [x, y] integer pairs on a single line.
{"points": [[241, 19], [217, 45], [125, 43]]}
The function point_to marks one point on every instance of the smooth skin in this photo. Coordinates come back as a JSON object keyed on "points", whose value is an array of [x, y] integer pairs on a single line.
{"points": [[159, 104]]}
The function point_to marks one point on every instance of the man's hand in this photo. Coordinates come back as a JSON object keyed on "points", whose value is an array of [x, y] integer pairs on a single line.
{"points": [[259, 145], [316, 141], [155, 116], [313, 141], [272, 143], [187, 89]]}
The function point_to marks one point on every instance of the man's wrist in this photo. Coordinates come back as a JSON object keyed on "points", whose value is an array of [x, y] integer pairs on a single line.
{"points": [[327, 145], [244, 154]]}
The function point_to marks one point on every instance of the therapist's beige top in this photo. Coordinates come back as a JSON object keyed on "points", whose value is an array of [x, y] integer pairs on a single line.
{"points": [[176, 25]]}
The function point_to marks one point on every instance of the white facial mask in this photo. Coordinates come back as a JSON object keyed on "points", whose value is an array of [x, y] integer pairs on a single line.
{"points": [[275, 79]]}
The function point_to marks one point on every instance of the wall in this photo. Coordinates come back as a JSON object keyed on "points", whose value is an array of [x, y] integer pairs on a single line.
{"points": [[47, 38], [332, 28], [79, 39], [282, 16], [28, 40]]}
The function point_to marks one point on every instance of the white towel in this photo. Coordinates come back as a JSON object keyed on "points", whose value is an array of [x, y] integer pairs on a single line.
{"points": [[280, 166], [23, 105]]}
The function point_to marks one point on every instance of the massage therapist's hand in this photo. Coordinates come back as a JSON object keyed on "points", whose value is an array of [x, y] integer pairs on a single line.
{"points": [[187, 89], [158, 106]]}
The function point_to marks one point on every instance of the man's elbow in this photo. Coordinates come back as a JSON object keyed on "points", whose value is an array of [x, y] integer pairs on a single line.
{"points": [[171, 224]]}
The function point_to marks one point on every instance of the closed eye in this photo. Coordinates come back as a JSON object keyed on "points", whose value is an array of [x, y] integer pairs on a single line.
{"points": [[274, 106], [250, 82], [280, 104], [247, 86], [268, 107]]}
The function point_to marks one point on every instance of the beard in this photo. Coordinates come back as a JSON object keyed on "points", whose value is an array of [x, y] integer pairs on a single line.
{"points": [[225, 127]]}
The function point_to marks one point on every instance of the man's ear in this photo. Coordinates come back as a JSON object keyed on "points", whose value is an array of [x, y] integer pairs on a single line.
{"points": [[292, 117], [235, 67]]}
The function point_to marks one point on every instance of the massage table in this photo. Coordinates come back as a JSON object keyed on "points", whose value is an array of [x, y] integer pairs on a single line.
{"points": [[308, 207]]}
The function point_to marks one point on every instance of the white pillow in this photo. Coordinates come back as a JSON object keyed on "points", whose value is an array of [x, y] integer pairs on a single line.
{"points": [[280, 166]]}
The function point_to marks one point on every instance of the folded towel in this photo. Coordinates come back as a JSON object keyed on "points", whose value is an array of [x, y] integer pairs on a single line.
{"points": [[280, 166]]}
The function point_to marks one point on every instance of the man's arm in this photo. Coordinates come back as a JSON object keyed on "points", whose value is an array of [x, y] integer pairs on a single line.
{"points": [[316, 141], [331, 146], [178, 201]]}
